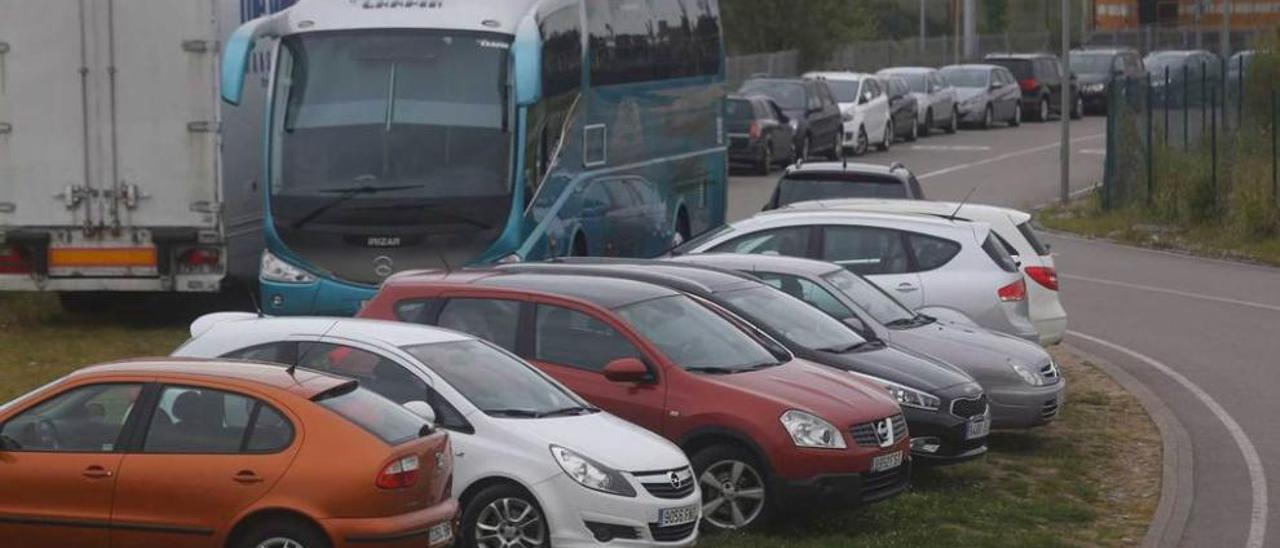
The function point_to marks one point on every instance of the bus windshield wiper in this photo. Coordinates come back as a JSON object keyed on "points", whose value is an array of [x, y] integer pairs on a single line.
{"points": [[346, 194]]}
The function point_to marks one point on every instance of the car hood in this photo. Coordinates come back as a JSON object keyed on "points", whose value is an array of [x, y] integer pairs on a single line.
{"points": [[602, 437], [834, 395], [983, 354], [964, 94], [899, 365]]}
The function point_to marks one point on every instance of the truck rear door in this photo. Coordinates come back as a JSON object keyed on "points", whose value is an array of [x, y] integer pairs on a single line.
{"points": [[44, 130]]}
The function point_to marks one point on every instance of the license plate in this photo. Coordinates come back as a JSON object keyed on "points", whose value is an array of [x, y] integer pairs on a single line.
{"points": [[668, 517], [440, 534], [978, 427], [887, 462]]}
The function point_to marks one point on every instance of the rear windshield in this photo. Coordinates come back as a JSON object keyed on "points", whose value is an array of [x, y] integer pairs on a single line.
{"points": [[915, 81], [999, 255], [1089, 63], [788, 95], [382, 417], [1021, 68], [800, 190], [739, 110], [1030, 235]]}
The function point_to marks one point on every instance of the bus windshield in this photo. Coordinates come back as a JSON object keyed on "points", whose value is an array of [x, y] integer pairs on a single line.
{"points": [[382, 128]]}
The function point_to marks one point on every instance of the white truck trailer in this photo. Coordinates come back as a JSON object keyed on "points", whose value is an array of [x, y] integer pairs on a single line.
{"points": [[120, 168]]}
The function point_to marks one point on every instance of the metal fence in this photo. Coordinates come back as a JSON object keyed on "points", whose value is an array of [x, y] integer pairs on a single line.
{"points": [[1152, 38], [1196, 143]]}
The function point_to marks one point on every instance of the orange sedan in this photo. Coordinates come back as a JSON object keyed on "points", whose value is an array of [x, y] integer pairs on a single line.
{"points": [[196, 453]]}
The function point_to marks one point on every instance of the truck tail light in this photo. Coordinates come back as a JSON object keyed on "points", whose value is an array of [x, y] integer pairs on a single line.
{"points": [[1045, 276], [399, 474], [1016, 291], [13, 261]]}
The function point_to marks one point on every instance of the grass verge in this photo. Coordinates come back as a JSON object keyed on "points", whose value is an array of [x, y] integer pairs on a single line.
{"points": [[1133, 225], [1091, 478]]}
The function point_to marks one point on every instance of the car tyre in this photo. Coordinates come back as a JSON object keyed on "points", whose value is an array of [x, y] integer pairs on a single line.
{"points": [[806, 147], [954, 124], [282, 533], [914, 133], [863, 143], [887, 142], [988, 118], [1042, 112], [928, 123], [506, 514], [1077, 108], [1016, 120], [837, 147], [732, 479], [765, 164]]}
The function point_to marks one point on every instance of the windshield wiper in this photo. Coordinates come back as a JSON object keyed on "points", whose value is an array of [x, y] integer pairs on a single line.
{"points": [[575, 410], [903, 322], [346, 194], [522, 413], [713, 370], [846, 349]]}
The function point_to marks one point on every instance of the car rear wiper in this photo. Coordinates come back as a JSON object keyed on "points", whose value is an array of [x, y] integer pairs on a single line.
{"points": [[523, 413], [346, 194], [576, 410]]}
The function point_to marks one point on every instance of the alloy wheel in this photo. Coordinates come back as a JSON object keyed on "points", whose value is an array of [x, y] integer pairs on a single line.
{"points": [[888, 136], [988, 119], [280, 542], [1044, 110], [863, 142], [510, 523], [732, 494]]}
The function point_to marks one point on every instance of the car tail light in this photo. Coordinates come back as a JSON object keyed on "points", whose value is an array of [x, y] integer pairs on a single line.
{"points": [[1029, 84], [754, 130], [1044, 275], [12, 261], [200, 256], [401, 473], [1016, 291]]}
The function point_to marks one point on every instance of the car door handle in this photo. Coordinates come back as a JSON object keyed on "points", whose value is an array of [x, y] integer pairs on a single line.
{"points": [[96, 472], [907, 287], [247, 476]]}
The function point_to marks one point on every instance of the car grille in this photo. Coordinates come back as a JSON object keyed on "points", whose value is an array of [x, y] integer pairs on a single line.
{"points": [[658, 483], [739, 143], [864, 434], [1050, 409], [969, 407], [880, 484], [672, 533], [1050, 373]]}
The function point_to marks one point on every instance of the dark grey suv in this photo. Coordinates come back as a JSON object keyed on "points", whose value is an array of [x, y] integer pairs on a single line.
{"points": [[1042, 80], [1096, 67], [833, 180]]}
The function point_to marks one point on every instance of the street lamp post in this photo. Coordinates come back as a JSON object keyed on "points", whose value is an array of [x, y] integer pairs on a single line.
{"points": [[1064, 111]]}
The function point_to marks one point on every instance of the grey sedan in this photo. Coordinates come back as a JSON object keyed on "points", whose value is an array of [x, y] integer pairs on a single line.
{"points": [[986, 93], [1023, 384]]}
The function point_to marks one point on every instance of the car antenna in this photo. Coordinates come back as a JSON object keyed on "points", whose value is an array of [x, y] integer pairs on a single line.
{"points": [[293, 367], [953, 214]]}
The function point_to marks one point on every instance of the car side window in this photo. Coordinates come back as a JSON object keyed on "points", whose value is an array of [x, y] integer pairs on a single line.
{"points": [[808, 292], [791, 241], [493, 320], [865, 250], [813, 95], [376, 373], [278, 352], [571, 338], [930, 252], [87, 419], [198, 420]]}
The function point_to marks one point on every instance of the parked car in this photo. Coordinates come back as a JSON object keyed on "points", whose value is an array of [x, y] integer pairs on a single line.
{"points": [[1012, 228], [1043, 81], [935, 97], [810, 109], [903, 108], [535, 463], [820, 180], [1191, 74], [864, 107], [759, 133], [1095, 68], [178, 452], [1022, 382], [932, 265], [945, 408], [987, 94], [762, 428]]}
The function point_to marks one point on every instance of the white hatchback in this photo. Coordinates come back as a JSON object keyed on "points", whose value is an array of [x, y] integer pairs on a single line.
{"points": [[534, 464], [1012, 227], [864, 104]]}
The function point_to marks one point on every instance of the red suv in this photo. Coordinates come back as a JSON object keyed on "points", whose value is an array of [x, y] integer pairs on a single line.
{"points": [[760, 426]]}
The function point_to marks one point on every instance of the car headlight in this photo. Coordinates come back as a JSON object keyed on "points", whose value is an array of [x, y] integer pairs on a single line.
{"points": [[1032, 378], [274, 269], [972, 102], [795, 124], [906, 395], [809, 430], [591, 474], [1093, 87]]}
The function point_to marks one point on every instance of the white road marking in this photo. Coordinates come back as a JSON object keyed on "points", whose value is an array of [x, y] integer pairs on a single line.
{"points": [[1005, 156], [962, 148], [1097, 151], [1257, 478], [1190, 295]]}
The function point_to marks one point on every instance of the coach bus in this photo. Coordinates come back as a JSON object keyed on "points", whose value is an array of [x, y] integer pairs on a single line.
{"points": [[412, 134]]}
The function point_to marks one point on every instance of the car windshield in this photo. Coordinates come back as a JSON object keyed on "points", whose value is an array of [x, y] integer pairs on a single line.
{"points": [[801, 190], [471, 367], [845, 91], [1156, 62], [788, 95], [869, 297], [1090, 63], [693, 336], [966, 77], [792, 318], [916, 82]]}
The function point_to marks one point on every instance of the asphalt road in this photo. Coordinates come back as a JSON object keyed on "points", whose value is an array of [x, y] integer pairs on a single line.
{"points": [[1202, 335]]}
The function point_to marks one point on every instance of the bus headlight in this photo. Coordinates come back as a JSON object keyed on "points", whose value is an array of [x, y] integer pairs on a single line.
{"points": [[274, 269]]}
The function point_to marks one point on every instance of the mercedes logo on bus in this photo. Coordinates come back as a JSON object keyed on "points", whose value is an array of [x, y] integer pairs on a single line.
{"points": [[383, 266]]}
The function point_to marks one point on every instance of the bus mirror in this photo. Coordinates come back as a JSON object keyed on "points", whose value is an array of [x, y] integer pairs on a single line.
{"points": [[527, 58], [235, 58]]}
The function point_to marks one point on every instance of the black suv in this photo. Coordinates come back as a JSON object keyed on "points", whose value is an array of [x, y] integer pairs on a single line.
{"points": [[1096, 67], [1042, 80], [835, 180], [815, 116], [759, 133]]}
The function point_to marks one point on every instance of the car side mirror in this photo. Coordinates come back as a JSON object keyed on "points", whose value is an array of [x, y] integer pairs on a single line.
{"points": [[626, 370], [422, 409]]}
